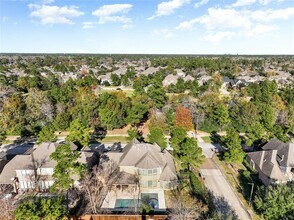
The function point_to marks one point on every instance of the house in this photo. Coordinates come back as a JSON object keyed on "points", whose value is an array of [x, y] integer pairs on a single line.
{"points": [[146, 171], [203, 79], [24, 171], [188, 78], [149, 71], [275, 163], [105, 78], [180, 72], [170, 79]]}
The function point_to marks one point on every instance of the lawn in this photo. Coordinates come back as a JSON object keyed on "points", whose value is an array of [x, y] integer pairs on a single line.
{"points": [[206, 139], [112, 139]]}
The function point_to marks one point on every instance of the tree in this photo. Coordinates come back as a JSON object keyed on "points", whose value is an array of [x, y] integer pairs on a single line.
{"points": [[138, 110], [158, 96], [183, 207], [232, 143], [190, 153], [39, 108], [267, 117], [41, 208], [243, 115], [275, 202], [85, 105], [133, 133], [67, 166], [115, 79], [12, 116], [254, 133], [180, 86], [119, 104], [6, 208], [2, 136], [156, 136], [47, 134], [194, 88], [178, 135], [96, 183], [170, 119], [183, 118], [78, 133], [62, 121], [221, 115]]}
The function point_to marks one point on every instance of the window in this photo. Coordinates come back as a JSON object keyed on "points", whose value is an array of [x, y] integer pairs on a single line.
{"points": [[144, 183], [150, 183], [150, 172]]}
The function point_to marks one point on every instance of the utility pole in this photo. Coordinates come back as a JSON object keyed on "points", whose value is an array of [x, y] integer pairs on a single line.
{"points": [[252, 186]]}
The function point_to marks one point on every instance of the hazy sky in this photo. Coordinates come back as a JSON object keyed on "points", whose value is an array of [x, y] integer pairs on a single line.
{"points": [[147, 26]]}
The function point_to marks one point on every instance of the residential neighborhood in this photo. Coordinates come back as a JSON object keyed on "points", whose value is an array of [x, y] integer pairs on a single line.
{"points": [[146, 135]]}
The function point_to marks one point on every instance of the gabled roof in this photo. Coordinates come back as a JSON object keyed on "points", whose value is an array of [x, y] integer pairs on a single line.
{"points": [[285, 152], [134, 151], [148, 162], [170, 79], [41, 158], [146, 156], [168, 174], [42, 155], [17, 163], [265, 162]]}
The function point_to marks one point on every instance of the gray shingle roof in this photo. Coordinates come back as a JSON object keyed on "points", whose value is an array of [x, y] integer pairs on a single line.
{"points": [[146, 156], [41, 156], [17, 163], [265, 162], [285, 154]]}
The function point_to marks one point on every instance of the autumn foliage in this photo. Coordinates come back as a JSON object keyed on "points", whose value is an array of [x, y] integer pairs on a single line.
{"points": [[183, 118]]}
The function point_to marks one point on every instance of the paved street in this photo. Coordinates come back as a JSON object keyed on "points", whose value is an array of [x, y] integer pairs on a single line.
{"points": [[218, 185]]}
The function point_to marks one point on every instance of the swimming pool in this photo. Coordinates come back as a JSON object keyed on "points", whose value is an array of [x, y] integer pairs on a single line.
{"points": [[125, 203], [150, 199]]}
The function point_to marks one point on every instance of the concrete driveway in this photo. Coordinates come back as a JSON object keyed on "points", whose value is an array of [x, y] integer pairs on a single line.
{"points": [[220, 188]]}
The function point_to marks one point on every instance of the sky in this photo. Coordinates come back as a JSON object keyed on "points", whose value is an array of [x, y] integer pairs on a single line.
{"points": [[147, 26]]}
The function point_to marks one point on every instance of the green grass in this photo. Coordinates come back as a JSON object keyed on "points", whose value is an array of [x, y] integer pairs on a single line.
{"points": [[206, 139], [112, 139]]}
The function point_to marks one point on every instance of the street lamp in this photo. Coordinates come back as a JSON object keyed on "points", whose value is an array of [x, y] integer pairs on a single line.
{"points": [[252, 186]]}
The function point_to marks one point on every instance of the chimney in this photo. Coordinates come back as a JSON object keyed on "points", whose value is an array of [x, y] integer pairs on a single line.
{"points": [[262, 160], [274, 156]]}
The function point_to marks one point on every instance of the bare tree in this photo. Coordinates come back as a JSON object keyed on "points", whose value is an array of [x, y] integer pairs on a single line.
{"points": [[6, 208], [96, 183], [183, 207]]}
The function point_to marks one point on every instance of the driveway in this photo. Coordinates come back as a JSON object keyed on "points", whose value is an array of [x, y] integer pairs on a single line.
{"points": [[218, 185]]}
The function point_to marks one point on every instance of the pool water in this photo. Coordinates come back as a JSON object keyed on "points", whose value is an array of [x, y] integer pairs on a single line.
{"points": [[125, 203], [150, 199]]}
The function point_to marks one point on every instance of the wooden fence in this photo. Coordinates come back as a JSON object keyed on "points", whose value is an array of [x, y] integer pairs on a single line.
{"points": [[122, 217]]}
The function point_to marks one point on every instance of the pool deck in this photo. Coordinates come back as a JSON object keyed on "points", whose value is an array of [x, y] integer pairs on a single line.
{"points": [[113, 195]]}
